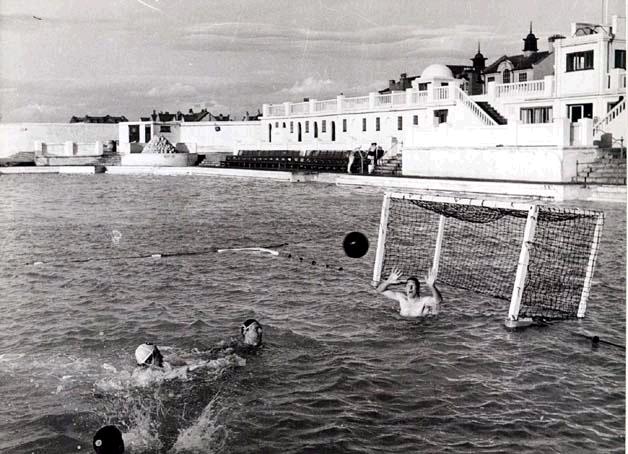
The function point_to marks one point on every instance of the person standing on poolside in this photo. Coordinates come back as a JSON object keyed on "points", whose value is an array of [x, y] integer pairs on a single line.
{"points": [[411, 303]]}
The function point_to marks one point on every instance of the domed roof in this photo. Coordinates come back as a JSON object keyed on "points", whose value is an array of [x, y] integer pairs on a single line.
{"points": [[437, 71]]}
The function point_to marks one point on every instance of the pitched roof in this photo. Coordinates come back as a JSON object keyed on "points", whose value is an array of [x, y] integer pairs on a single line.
{"points": [[518, 61], [92, 119]]}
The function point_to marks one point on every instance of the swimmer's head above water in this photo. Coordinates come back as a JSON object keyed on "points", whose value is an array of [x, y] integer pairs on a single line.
{"points": [[251, 331], [413, 288], [148, 354]]}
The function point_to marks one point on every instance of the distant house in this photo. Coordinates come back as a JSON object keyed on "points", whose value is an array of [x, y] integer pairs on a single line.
{"points": [[191, 116], [531, 65], [91, 119], [253, 117]]}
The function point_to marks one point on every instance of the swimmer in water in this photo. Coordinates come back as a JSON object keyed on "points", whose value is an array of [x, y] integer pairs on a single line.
{"points": [[411, 303], [148, 355], [251, 332]]}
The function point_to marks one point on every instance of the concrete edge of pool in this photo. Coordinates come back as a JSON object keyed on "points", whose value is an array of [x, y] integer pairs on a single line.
{"points": [[549, 191]]}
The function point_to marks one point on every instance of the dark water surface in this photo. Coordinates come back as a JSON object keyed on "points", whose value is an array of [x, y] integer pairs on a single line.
{"points": [[340, 370]]}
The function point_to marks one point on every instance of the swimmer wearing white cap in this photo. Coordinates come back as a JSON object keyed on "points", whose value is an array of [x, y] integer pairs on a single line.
{"points": [[148, 354], [251, 332]]}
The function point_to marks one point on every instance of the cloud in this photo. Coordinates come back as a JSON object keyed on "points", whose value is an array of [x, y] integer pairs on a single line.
{"points": [[37, 112], [175, 90], [309, 86]]}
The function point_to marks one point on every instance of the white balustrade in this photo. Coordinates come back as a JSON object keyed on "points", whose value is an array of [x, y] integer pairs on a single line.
{"points": [[299, 108], [383, 100], [419, 98], [520, 89], [399, 99], [356, 103], [441, 94], [329, 105], [276, 110], [473, 107], [610, 116]]}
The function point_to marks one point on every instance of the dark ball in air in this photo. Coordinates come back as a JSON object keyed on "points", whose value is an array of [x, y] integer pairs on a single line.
{"points": [[108, 440], [355, 245]]}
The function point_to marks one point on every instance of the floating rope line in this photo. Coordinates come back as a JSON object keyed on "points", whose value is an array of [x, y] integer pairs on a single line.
{"points": [[267, 249], [595, 340]]}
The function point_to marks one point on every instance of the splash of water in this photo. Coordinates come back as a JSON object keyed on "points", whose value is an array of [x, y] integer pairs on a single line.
{"points": [[206, 435]]}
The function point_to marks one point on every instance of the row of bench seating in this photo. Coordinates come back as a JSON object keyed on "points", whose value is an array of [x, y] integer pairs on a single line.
{"points": [[313, 160]]}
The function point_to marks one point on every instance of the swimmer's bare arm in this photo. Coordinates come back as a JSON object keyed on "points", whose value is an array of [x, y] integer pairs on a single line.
{"points": [[393, 278], [430, 280]]}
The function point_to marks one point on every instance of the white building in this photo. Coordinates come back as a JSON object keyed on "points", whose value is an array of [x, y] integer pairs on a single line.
{"points": [[530, 130]]}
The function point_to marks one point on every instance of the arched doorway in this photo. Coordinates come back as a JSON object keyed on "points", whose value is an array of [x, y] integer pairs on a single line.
{"points": [[333, 131], [299, 132], [270, 132]]}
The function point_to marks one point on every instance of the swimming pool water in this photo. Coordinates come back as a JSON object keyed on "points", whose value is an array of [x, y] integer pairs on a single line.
{"points": [[340, 370]]}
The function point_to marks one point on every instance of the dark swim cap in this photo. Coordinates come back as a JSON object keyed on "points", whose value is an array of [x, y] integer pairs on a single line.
{"points": [[108, 440]]}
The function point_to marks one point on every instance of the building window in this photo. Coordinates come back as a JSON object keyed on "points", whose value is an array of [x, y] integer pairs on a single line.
{"points": [[536, 115], [577, 111], [315, 130], [423, 87], [164, 128], [441, 115], [415, 120], [399, 123], [284, 125], [377, 124], [276, 124], [620, 58], [307, 127], [579, 61], [344, 125], [291, 127], [324, 126], [490, 79], [523, 77], [506, 76], [364, 124]]}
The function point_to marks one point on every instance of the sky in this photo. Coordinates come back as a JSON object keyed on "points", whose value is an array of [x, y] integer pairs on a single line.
{"points": [[60, 58]]}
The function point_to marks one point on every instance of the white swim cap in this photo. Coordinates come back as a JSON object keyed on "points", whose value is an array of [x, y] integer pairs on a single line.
{"points": [[143, 353]]}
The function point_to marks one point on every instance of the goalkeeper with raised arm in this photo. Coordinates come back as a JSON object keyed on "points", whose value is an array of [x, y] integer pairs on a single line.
{"points": [[411, 303]]}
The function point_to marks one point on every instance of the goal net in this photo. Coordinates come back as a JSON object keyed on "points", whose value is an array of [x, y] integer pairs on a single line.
{"points": [[541, 258]]}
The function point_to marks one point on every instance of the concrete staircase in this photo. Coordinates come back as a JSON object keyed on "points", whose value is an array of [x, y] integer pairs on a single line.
{"points": [[492, 112], [390, 166], [608, 168]]}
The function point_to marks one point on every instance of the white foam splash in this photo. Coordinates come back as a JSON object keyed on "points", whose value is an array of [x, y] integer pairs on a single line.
{"points": [[206, 435]]}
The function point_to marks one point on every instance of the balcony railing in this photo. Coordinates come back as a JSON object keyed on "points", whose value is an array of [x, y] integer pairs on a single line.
{"points": [[276, 110], [299, 108], [520, 89], [406, 99], [357, 103], [330, 105]]}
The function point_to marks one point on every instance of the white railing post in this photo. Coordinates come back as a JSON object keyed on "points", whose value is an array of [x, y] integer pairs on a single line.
{"points": [[409, 92], [312, 105], [286, 109], [372, 100], [522, 266], [265, 110], [340, 101], [381, 241], [586, 287], [548, 89]]}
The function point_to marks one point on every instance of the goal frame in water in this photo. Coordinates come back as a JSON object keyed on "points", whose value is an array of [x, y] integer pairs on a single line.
{"points": [[527, 210]]}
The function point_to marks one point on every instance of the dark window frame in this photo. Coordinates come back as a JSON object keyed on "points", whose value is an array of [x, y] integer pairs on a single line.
{"points": [[580, 61]]}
